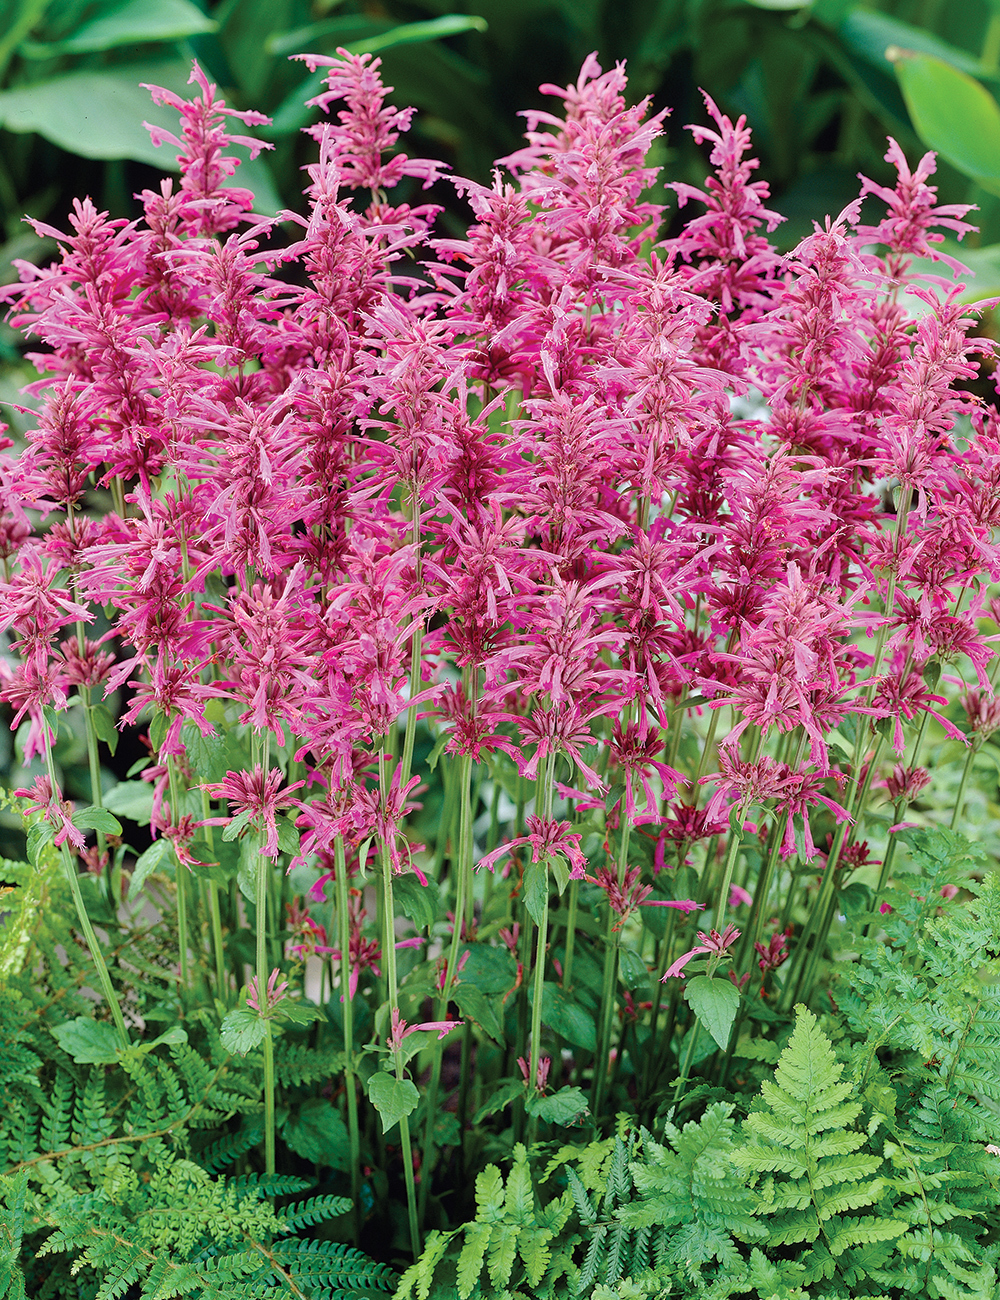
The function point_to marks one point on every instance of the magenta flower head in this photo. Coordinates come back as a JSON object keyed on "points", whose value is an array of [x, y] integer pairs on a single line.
{"points": [[546, 837], [256, 798]]}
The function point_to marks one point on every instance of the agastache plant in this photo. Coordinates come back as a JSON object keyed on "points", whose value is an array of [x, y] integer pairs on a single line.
{"points": [[625, 568]]}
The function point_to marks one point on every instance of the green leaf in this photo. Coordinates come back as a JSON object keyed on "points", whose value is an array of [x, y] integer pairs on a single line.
{"points": [[631, 968], [131, 799], [159, 854], [492, 970], [298, 1012], [567, 1106], [418, 33], [779, 4], [568, 1018], [40, 834], [97, 819], [243, 1030], [158, 727], [210, 756], [416, 901], [100, 113], [393, 1098], [133, 23], [89, 1042], [715, 1003], [317, 1132], [500, 1098], [288, 836], [104, 725], [536, 889], [325, 32], [233, 827], [246, 871], [870, 34], [953, 114], [477, 1007]]}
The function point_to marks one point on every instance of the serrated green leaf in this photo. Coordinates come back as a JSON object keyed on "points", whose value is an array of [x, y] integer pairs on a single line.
{"points": [[715, 1002], [243, 1030], [475, 1004], [416, 901], [567, 1106], [236, 824], [472, 1257], [97, 819], [316, 1131], [568, 1018], [40, 833], [393, 1098]]}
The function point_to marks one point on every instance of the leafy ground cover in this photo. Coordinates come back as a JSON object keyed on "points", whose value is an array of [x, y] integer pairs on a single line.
{"points": [[556, 665]]}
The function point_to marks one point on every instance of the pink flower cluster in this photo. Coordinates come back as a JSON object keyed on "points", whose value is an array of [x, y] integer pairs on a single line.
{"points": [[546, 483]]}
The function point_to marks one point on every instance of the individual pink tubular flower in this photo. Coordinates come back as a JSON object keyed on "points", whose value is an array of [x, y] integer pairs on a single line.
{"points": [[541, 1073], [273, 994], [738, 897], [257, 798], [58, 812], [401, 1030], [546, 837], [714, 943]]}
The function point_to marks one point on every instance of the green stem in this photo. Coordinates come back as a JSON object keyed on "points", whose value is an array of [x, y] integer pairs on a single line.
{"points": [[463, 891], [215, 913], [685, 1066], [574, 896], [69, 866], [969, 759], [602, 1060], [180, 875], [350, 1079], [392, 988], [263, 871]]}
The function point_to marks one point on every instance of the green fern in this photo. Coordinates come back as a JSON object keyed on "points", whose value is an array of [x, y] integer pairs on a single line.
{"points": [[816, 1175]]}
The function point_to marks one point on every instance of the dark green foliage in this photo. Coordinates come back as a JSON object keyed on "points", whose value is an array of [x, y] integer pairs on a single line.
{"points": [[866, 1166], [108, 1186]]}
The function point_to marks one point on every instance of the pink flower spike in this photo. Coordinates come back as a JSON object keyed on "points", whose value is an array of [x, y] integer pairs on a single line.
{"points": [[255, 794], [738, 897], [884, 908], [274, 993], [541, 1074]]}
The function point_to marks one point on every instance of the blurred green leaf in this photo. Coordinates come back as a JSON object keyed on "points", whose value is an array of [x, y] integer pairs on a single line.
{"points": [[133, 23], [418, 33], [953, 114], [331, 31], [871, 34], [98, 114]]}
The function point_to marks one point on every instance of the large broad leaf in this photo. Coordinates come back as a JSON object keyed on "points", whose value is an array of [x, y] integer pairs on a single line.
{"points": [[134, 23], [98, 114], [243, 1030], [870, 34], [392, 1098], [131, 799], [953, 114], [478, 1007], [418, 902], [492, 970], [715, 1003], [89, 1042], [567, 1106], [568, 1018]]}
